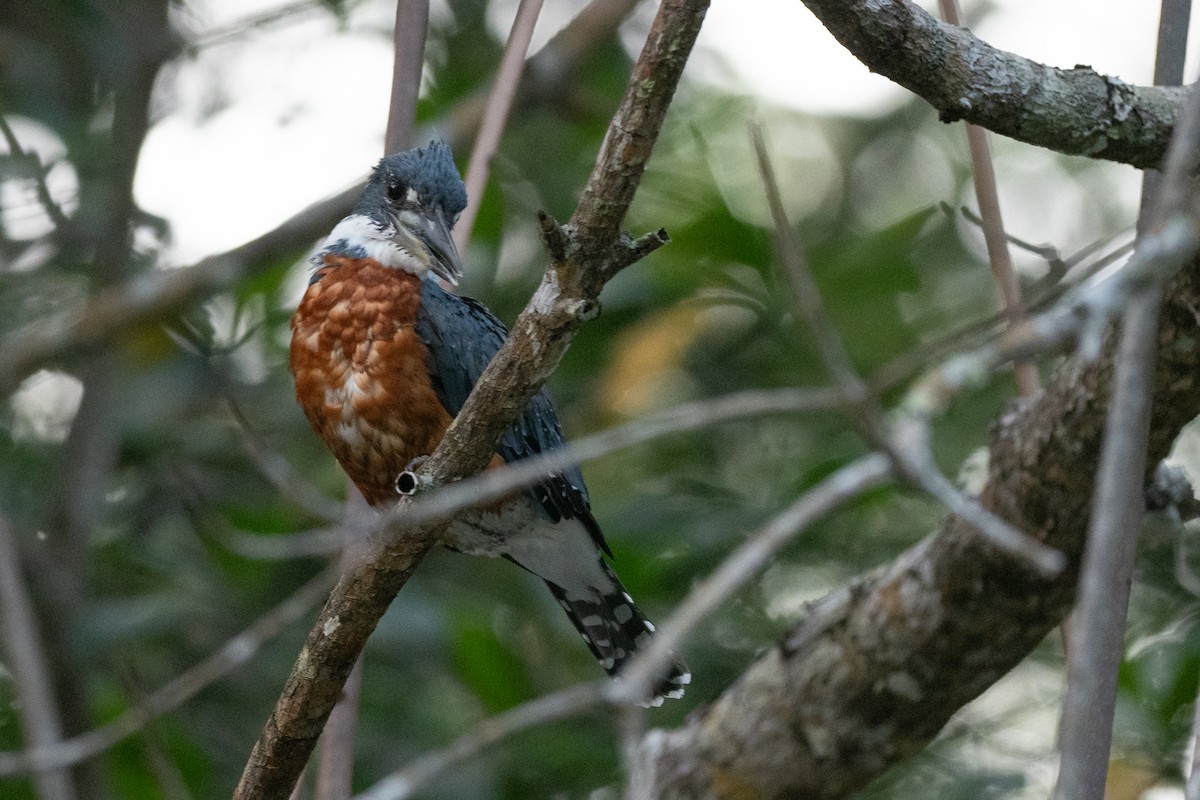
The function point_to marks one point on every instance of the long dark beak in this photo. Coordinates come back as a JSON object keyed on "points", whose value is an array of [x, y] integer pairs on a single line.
{"points": [[435, 234]]}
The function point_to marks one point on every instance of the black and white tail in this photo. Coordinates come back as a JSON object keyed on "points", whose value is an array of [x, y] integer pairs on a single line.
{"points": [[614, 628]]}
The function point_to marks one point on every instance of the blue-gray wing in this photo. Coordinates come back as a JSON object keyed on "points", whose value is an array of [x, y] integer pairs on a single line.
{"points": [[462, 337]]}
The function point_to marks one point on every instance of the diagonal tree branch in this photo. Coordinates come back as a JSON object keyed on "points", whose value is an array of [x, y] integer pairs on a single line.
{"points": [[567, 297], [1076, 111]]}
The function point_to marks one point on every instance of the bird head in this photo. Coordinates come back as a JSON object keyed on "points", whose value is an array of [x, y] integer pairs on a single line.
{"points": [[404, 216]]}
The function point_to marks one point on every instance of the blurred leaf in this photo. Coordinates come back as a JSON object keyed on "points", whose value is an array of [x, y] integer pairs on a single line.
{"points": [[493, 673]]}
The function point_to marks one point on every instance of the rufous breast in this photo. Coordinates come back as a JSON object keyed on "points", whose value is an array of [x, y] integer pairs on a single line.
{"points": [[362, 373]]}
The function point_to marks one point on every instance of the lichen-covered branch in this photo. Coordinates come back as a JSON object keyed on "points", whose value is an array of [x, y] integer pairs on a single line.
{"points": [[876, 669], [1076, 111]]}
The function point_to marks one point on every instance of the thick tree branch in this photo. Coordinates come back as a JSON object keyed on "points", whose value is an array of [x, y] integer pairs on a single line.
{"points": [[877, 669], [1076, 111], [567, 297]]}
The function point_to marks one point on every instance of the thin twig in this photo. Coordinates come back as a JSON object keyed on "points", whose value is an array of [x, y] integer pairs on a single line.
{"points": [[972, 335], [735, 571], [1191, 790], [170, 781], [495, 117], [988, 197], [336, 760], [258, 22], [305, 544], [806, 293], [273, 466], [1098, 623], [495, 484], [739, 567], [406, 782], [412, 20], [233, 654], [566, 298], [53, 209], [30, 674], [907, 441]]}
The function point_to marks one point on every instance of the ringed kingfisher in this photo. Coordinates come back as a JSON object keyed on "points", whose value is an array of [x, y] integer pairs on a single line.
{"points": [[384, 358]]}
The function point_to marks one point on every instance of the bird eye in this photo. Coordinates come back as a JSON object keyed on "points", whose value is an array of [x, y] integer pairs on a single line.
{"points": [[396, 191]]}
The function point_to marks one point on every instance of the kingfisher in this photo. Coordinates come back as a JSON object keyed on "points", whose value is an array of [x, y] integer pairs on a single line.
{"points": [[384, 358]]}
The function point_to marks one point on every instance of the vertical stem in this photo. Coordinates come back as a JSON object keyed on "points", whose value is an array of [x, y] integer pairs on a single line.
{"points": [[335, 767], [1098, 625], [412, 21], [986, 194], [495, 117], [1098, 628], [31, 676]]}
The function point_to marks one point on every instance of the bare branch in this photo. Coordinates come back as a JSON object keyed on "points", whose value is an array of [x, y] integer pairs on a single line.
{"points": [[747, 561], [276, 469], [907, 442], [305, 544], [1076, 111], [38, 172], [233, 654], [807, 295], [735, 571], [412, 19], [31, 677], [988, 197], [489, 486], [408, 781], [499, 103], [539, 338], [1098, 623]]}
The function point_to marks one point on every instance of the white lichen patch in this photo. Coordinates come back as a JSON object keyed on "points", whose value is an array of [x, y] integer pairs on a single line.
{"points": [[547, 294]]}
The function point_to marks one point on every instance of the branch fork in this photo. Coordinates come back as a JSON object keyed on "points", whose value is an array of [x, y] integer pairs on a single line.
{"points": [[568, 294]]}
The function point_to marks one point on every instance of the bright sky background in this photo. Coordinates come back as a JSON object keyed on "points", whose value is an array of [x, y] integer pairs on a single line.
{"points": [[301, 113], [251, 131]]}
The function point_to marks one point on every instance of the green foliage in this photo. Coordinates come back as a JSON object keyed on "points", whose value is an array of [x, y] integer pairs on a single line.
{"points": [[127, 524]]}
